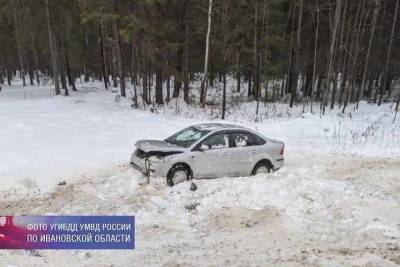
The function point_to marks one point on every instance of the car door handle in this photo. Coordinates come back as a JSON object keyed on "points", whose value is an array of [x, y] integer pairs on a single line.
{"points": [[252, 152]]}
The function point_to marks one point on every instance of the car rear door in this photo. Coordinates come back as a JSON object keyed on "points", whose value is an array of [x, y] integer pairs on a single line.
{"points": [[213, 157], [244, 153]]}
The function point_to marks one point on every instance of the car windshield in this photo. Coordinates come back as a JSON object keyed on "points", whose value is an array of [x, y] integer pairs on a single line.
{"points": [[186, 137]]}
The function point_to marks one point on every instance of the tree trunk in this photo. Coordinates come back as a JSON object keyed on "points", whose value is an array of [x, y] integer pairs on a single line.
{"points": [[264, 54], [133, 67], [249, 87], [315, 58], [341, 52], [178, 76], [71, 80], [186, 86], [60, 52], [331, 59], [53, 52], [159, 82], [364, 77], [355, 48], [290, 69], [103, 54], [150, 83], [35, 58], [388, 55], [30, 74], [345, 60], [223, 96], [297, 53], [118, 53], [1, 77], [135, 96], [225, 53], [237, 72], [266, 92], [255, 56], [8, 74], [377, 87], [370, 86], [145, 87], [114, 66], [179, 53], [204, 83], [186, 52], [18, 40], [339, 47], [168, 88], [397, 108], [283, 85], [86, 55]]}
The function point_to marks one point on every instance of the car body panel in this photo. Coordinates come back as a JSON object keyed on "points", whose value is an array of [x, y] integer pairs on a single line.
{"points": [[158, 145], [203, 166]]}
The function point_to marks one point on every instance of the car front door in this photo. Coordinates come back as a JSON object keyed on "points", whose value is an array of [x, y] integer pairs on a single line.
{"points": [[212, 157]]}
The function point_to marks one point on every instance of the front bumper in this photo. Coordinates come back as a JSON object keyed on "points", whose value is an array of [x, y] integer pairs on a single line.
{"points": [[148, 166]]}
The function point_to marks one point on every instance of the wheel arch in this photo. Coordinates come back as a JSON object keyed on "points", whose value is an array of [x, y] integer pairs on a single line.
{"points": [[263, 160], [184, 164]]}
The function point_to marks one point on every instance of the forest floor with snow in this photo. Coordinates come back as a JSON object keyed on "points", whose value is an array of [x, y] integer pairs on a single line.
{"points": [[336, 202]]}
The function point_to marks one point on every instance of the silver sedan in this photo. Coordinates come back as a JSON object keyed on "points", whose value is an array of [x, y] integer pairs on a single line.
{"points": [[208, 150]]}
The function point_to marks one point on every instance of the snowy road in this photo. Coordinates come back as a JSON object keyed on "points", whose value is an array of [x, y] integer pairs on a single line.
{"points": [[336, 201]]}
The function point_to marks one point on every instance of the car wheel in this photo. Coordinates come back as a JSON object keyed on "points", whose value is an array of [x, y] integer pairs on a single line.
{"points": [[261, 167], [178, 174]]}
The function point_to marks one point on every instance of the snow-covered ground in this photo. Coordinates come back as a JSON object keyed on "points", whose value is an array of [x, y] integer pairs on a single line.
{"points": [[336, 202]]}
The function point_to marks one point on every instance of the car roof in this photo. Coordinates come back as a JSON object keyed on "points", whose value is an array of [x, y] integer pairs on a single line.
{"points": [[217, 126]]}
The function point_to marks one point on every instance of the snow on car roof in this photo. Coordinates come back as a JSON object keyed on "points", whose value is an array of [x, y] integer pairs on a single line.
{"points": [[215, 126]]}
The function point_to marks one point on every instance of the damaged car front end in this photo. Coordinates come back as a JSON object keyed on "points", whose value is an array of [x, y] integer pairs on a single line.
{"points": [[153, 157]]}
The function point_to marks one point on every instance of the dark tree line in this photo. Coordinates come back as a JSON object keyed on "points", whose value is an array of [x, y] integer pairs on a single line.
{"points": [[332, 52]]}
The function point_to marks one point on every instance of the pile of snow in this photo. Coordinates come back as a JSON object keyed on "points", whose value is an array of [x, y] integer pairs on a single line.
{"points": [[325, 212]]}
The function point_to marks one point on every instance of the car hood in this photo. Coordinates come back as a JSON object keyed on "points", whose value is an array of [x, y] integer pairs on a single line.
{"points": [[157, 145]]}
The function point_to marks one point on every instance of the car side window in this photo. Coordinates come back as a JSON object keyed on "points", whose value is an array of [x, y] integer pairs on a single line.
{"points": [[242, 139], [216, 141], [258, 140]]}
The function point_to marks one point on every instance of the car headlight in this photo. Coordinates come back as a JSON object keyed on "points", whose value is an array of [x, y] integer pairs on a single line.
{"points": [[156, 159]]}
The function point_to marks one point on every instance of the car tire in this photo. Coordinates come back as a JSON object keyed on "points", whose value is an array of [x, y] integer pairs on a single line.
{"points": [[262, 167], [177, 174]]}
